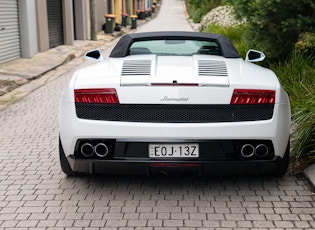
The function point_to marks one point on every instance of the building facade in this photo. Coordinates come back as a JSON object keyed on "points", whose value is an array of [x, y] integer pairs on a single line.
{"points": [[31, 26]]}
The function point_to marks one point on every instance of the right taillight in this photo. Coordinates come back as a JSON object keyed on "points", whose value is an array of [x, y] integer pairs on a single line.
{"points": [[101, 96], [253, 96]]}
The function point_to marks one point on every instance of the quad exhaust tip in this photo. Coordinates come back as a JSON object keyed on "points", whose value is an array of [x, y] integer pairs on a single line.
{"points": [[100, 149], [261, 150], [249, 150], [87, 150]]}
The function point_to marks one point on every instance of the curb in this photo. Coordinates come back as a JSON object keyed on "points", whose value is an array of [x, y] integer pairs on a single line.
{"points": [[309, 173]]}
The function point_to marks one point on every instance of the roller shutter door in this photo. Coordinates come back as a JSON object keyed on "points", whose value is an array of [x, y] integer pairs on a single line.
{"points": [[10, 47], [55, 23]]}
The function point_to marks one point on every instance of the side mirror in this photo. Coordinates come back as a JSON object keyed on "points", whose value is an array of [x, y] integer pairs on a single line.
{"points": [[254, 56], [94, 55]]}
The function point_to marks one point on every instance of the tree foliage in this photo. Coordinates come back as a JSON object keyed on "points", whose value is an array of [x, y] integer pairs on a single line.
{"points": [[274, 26]]}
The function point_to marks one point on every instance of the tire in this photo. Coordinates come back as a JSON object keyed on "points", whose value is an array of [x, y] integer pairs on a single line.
{"points": [[65, 167], [284, 163]]}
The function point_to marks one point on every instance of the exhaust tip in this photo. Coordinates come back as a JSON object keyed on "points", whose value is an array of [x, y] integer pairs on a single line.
{"points": [[87, 150], [261, 150], [101, 150], [248, 150]]}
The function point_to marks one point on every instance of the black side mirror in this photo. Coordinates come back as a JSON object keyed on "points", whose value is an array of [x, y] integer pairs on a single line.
{"points": [[93, 55], [254, 56]]}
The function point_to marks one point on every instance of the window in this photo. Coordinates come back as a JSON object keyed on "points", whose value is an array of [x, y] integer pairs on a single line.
{"points": [[174, 47]]}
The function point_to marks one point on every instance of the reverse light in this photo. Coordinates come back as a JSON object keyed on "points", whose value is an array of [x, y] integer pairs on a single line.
{"points": [[102, 96], [252, 96]]}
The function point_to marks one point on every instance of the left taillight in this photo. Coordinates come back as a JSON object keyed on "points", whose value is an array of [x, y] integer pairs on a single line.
{"points": [[101, 96], [252, 96]]}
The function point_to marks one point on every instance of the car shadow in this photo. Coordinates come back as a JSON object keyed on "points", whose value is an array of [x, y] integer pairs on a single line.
{"points": [[187, 184]]}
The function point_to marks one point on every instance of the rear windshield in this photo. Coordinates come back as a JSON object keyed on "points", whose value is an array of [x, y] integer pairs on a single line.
{"points": [[174, 47]]}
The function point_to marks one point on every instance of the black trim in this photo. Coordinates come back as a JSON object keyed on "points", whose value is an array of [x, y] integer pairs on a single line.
{"points": [[208, 149], [177, 113], [135, 167], [232, 164]]}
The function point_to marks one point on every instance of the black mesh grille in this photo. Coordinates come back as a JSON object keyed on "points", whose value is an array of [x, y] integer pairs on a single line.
{"points": [[174, 113]]}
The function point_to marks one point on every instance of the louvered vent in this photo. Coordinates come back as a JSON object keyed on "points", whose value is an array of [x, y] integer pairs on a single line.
{"points": [[138, 67], [212, 68]]}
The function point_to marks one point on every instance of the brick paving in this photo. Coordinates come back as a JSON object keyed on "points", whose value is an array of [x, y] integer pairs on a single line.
{"points": [[35, 194]]}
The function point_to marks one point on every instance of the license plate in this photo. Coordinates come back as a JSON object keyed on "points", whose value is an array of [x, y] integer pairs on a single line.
{"points": [[173, 150]]}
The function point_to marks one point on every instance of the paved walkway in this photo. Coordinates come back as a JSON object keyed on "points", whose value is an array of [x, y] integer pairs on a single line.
{"points": [[170, 18], [35, 194]]}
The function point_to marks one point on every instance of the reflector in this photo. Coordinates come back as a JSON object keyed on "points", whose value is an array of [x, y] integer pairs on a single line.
{"points": [[252, 96], [103, 96]]}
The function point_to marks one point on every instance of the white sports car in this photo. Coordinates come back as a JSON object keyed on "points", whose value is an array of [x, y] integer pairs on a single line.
{"points": [[174, 102]]}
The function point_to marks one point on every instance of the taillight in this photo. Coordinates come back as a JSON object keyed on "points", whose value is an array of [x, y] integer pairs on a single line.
{"points": [[252, 96], [103, 96]]}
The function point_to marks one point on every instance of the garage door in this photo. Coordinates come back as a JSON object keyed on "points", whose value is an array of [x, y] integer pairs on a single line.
{"points": [[55, 23], [10, 47]]}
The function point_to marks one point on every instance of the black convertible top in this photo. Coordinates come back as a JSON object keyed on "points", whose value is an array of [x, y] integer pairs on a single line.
{"points": [[122, 47]]}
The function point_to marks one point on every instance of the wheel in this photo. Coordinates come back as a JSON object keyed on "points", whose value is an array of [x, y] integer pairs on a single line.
{"points": [[64, 162], [283, 166]]}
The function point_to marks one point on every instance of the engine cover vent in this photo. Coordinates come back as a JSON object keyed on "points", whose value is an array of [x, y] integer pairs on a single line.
{"points": [[136, 67], [212, 68]]}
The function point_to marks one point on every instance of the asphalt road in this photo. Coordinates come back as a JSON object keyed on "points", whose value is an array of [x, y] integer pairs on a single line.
{"points": [[35, 194]]}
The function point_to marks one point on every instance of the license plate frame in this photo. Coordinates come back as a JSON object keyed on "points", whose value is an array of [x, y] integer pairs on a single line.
{"points": [[184, 150]]}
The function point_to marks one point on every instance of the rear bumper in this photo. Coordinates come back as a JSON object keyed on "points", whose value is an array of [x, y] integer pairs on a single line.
{"points": [[147, 167], [72, 129]]}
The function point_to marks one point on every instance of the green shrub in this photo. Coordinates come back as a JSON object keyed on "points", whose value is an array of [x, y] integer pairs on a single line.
{"points": [[274, 26], [297, 75], [197, 15], [306, 44], [235, 34]]}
